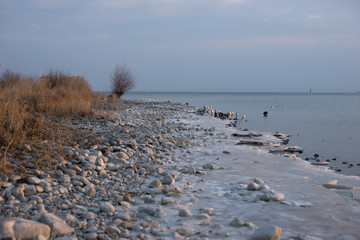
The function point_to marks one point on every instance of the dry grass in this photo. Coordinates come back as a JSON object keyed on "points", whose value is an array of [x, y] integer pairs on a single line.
{"points": [[30, 108]]}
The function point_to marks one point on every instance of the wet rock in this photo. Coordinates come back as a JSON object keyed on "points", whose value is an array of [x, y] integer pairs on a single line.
{"points": [[208, 211], [18, 228], [184, 213], [168, 180], [166, 200], [149, 199], [253, 186], [158, 213], [186, 232], [209, 166], [237, 222], [267, 232]]}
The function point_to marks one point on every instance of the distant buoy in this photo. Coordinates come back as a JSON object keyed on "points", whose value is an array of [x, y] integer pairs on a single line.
{"points": [[265, 113]]}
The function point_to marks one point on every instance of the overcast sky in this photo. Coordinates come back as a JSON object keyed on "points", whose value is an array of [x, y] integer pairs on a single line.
{"points": [[189, 45]]}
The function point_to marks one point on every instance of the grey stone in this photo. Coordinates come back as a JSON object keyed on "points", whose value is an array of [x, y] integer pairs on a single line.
{"points": [[155, 184], [149, 199], [208, 211], [30, 190], [259, 181], [209, 166], [64, 179], [107, 207], [267, 232], [253, 186], [158, 213], [91, 236], [18, 228], [237, 222], [166, 200], [58, 226], [168, 180], [184, 213], [34, 180], [112, 230]]}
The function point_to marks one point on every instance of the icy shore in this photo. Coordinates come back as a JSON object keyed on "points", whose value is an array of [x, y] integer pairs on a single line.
{"points": [[163, 172]]}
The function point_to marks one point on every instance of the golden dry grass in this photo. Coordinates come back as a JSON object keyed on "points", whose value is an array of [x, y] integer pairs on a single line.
{"points": [[29, 106]]}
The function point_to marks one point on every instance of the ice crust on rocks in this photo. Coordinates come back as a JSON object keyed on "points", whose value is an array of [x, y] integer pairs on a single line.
{"points": [[159, 171]]}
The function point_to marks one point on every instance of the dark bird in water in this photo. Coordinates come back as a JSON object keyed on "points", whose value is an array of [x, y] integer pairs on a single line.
{"points": [[265, 113]]}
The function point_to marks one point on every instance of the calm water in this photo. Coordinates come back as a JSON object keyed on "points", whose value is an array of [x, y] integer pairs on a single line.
{"points": [[326, 124]]}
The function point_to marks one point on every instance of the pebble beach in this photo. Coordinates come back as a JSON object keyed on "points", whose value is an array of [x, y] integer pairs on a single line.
{"points": [[164, 171]]}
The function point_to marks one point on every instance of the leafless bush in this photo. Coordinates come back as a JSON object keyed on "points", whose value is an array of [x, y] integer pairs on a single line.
{"points": [[122, 80]]}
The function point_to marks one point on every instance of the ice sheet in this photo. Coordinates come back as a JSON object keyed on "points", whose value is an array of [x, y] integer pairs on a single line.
{"points": [[308, 207]]}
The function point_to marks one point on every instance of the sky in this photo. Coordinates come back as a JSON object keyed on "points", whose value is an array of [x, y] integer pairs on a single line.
{"points": [[188, 45]]}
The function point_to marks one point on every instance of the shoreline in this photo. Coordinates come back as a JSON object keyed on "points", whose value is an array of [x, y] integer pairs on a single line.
{"points": [[162, 172]]}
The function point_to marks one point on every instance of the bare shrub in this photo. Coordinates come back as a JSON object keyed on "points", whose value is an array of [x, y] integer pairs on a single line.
{"points": [[122, 80], [9, 79]]}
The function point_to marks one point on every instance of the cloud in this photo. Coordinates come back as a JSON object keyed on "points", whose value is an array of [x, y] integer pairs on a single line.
{"points": [[349, 41]]}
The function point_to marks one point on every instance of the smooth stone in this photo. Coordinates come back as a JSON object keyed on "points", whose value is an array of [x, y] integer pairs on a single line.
{"points": [[168, 180], [64, 179], [253, 186], [267, 232], [58, 226], [237, 222], [259, 181], [208, 211], [155, 184], [112, 230], [18, 228], [34, 180], [91, 236], [107, 207], [166, 200], [184, 213]]}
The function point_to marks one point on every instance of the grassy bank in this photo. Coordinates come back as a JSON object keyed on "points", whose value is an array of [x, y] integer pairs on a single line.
{"points": [[33, 111]]}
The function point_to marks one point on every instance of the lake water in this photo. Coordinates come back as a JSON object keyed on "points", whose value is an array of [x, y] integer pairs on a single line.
{"points": [[327, 124]]}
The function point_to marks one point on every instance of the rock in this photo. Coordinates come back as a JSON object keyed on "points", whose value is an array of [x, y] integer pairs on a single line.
{"points": [[158, 212], [124, 216], [253, 186], [237, 222], [91, 236], [112, 230], [184, 213], [123, 156], [259, 181], [209, 166], [107, 207], [64, 179], [208, 211], [18, 228], [166, 200], [30, 190], [168, 180], [58, 226], [149, 199], [34, 180], [184, 232], [203, 216], [267, 232], [155, 184]]}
